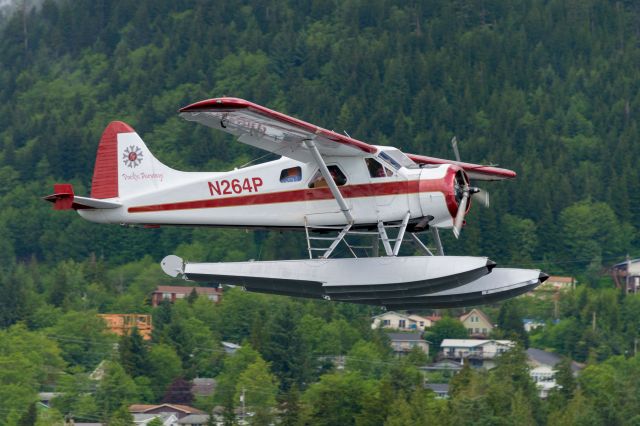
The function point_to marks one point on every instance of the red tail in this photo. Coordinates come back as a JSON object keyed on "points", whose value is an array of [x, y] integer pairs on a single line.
{"points": [[105, 172]]}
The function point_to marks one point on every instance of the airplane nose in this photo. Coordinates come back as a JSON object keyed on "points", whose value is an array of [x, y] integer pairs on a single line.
{"points": [[543, 277]]}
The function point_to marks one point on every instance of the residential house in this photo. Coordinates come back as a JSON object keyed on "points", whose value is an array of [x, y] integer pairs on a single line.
{"points": [[446, 366], [122, 324], [626, 275], [45, 398], [400, 321], [531, 324], [203, 386], [557, 283], [441, 389], [230, 348], [403, 343], [542, 369], [174, 292], [178, 410], [477, 323], [194, 420], [143, 419], [479, 353]]}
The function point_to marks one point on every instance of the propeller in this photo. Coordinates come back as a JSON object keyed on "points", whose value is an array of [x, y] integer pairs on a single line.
{"points": [[458, 221], [477, 194]]}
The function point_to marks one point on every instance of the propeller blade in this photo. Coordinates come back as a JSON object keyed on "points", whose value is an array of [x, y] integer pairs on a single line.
{"points": [[457, 223], [454, 144], [481, 196]]}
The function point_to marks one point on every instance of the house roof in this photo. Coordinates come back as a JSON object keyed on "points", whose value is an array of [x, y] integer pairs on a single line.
{"points": [[405, 337], [558, 279], [143, 408], [438, 387], [194, 419], [478, 312], [391, 313], [471, 343], [549, 358], [186, 290], [416, 318]]}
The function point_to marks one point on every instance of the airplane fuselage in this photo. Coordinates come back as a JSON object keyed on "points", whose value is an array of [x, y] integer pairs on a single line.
{"points": [[284, 193]]}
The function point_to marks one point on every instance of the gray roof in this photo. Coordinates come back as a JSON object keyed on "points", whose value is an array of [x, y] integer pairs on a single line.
{"points": [[194, 419], [203, 386], [405, 337], [549, 358], [438, 387]]}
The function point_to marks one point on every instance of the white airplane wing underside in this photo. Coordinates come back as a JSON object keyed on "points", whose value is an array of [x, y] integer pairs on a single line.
{"points": [[272, 131]]}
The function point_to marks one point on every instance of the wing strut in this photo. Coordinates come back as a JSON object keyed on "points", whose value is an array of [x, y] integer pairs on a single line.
{"points": [[327, 177]]}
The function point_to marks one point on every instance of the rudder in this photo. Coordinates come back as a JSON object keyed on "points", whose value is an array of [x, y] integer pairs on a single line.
{"points": [[124, 165]]}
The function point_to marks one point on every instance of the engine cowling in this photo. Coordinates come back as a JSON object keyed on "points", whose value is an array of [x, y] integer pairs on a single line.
{"points": [[441, 190]]}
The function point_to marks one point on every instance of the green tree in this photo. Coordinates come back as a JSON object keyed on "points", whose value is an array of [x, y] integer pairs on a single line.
{"points": [[510, 325], [164, 366], [115, 390], [134, 356], [259, 389], [83, 338], [446, 328], [336, 399]]}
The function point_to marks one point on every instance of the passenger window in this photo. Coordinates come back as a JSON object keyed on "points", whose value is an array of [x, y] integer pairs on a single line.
{"points": [[317, 181], [294, 174], [377, 170]]}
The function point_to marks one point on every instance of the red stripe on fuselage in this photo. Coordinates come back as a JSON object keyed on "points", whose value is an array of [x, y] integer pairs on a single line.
{"points": [[315, 194]]}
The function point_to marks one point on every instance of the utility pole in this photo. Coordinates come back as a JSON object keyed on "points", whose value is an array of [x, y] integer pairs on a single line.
{"points": [[593, 321], [627, 277]]}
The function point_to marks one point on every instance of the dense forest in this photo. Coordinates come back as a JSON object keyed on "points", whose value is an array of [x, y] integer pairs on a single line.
{"points": [[550, 89]]}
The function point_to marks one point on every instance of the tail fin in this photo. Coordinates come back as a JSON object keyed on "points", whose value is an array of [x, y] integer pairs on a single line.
{"points": [[125, 166]]}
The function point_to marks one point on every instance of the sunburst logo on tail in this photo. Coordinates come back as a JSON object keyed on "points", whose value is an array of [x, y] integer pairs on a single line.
{"points": [[132, 156]]}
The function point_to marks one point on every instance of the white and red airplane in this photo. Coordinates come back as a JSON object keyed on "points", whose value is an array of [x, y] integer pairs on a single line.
{"points": [[330, 185]]}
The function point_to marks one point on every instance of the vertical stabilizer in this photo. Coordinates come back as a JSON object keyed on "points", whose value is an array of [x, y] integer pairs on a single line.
{"points": [[125, 166]]}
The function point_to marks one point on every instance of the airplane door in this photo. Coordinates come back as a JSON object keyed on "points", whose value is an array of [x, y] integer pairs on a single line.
{"points": [[323, 210]]}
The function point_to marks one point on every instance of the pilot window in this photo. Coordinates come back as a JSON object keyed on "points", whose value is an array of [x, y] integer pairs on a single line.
{"points": [[293, 174], [377, 170], [317, 181]]}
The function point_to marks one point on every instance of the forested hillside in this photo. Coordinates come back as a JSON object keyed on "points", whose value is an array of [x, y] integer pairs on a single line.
{"points": [[550, 89]]}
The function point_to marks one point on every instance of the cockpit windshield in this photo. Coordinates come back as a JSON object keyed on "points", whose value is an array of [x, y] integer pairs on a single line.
{"points": [[397, 159]]}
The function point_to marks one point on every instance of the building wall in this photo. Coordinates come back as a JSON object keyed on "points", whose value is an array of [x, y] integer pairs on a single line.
{"points": [[394, 320], [476, 324], [405, 347]]}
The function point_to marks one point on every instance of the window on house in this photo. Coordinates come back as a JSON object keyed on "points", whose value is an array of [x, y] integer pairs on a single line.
{"points": [[166, 295], [470, 330], [317, 181], [402, 323], [484, 331], [293, 174], [386, 322]]}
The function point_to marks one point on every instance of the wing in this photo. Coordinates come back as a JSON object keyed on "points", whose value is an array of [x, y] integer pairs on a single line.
{"points": [[475, 171], [270, 130]]}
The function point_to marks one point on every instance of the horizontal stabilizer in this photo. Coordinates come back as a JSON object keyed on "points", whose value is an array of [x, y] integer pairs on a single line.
{"points": [[63, 198]]}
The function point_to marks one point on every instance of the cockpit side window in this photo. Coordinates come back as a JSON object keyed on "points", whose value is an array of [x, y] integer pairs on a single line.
{"points": [[377, 170], [318, 181], [293, 174]]}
